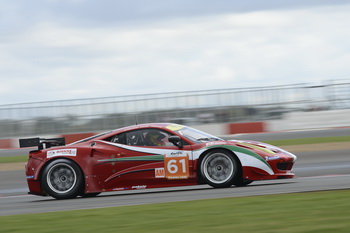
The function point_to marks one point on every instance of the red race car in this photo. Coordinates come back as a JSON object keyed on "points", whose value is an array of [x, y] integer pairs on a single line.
{"points": [[149, 156]]}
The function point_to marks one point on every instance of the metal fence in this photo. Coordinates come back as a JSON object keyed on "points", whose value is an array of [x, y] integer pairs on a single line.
{"points": [[196, 107]]}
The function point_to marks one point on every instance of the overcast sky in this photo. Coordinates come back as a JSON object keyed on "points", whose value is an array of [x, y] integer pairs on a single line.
{"points": [[72, 49]]}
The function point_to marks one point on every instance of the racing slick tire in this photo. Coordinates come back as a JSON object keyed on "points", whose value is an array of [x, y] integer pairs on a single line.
{"points": [[242, 182], [86, 195], [219, 169], [62, 179]]}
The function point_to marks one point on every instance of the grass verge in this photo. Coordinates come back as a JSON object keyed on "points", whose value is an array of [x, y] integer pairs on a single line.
{"points": [[326, 211], [14, 159]]}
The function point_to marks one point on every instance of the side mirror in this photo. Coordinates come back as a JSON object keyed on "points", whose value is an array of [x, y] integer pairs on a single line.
{"points": [[176, 140]]}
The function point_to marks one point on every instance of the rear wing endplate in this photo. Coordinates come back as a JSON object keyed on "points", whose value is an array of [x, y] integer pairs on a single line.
{"points": [[41, 143]]}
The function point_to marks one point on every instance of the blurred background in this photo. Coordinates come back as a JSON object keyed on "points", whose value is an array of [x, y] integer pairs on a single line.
{"points": [[273, 104], [75, 66]]}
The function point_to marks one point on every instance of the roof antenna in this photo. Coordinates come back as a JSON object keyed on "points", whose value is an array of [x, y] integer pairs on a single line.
{"points": [[136, 120]]}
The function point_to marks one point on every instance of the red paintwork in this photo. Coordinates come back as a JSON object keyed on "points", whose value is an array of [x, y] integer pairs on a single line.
{"points": [[123, 175]]}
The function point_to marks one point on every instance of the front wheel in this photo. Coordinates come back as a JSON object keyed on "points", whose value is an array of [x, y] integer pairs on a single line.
{"points": [[242, 182], [219, 169], [86, 195], [62, 179]]}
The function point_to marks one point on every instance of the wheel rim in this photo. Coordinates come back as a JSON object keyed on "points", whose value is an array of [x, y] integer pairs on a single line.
{"points": [[218, 168], [61, 178]]}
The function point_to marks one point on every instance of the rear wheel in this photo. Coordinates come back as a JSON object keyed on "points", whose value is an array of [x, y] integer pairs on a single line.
{"points": [[219, 169], [62, 179]]}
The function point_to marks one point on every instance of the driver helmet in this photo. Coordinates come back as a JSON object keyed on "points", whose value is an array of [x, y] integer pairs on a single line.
{"points": [[156, 138]]}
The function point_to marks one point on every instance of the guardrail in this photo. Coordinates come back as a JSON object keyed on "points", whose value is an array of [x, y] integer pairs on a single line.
{"points": [[196, 107]]}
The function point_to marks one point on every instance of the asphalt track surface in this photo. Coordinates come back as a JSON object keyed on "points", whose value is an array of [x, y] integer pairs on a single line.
{"points": [[315, 171]]}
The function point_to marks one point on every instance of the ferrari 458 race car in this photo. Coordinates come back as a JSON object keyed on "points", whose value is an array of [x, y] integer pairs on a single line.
{"points": [[149, 156]]}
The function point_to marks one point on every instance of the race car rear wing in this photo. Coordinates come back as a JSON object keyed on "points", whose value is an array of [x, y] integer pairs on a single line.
{"points": [[41, 143]]}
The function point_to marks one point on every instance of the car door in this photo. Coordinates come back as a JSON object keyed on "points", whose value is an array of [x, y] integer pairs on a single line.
{"points": [[144, 158]]}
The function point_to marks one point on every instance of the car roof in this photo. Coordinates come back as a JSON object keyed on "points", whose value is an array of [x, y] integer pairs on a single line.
{"points": [[134, 127], [108, 134], [142, 126]]}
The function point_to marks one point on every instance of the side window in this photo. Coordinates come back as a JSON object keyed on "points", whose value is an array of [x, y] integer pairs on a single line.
{"points": [[134, 138], [155, 137], [119, 138], [144, 137]]}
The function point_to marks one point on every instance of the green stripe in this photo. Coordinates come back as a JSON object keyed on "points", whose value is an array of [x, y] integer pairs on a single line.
{"points": [[136, 158], [241, 150]]}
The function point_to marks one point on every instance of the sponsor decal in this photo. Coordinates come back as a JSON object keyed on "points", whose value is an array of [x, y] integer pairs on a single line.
{"points": [[30, 177], [119, 189], [177, 177], [175, 127], [176, 153], [176, 167], [139, 187], [159, 172], [62, 152]]}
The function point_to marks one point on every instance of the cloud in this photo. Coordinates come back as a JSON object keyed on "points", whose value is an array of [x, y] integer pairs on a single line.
{"points": [[52, 60]]}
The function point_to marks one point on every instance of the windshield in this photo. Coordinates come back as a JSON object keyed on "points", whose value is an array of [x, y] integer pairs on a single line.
{"points": [[197, 136]]}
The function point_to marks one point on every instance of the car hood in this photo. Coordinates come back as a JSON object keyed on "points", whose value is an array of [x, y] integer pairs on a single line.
{"points": [[264, 147]]}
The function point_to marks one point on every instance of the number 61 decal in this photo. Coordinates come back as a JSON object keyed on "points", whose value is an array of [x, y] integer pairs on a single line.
{"points": [[176, 167]]}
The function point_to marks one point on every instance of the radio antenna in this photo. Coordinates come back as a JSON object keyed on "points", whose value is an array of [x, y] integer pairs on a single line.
{"points": [[136, 120]]}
